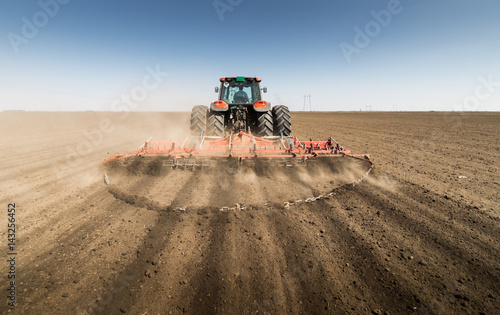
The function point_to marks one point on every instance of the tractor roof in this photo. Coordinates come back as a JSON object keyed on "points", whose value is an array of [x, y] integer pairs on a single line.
{"points": [[240, 79]]}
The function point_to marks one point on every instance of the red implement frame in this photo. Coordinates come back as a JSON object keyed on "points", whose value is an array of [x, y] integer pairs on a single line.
{"points": [[242, 146]]}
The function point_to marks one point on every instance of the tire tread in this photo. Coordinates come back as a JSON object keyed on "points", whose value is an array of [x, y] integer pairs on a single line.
{"points": [[198, 119], [282, 120]]}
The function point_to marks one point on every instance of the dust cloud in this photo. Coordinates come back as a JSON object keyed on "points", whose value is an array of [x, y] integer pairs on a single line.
{"points": [[227, 182]]}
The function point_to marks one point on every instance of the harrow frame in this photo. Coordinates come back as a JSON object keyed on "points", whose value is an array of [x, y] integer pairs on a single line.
{"points": [[241, 146]]}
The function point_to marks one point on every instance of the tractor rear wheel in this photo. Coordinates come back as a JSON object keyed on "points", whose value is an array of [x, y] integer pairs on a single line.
{"points": [[265, 124], [216, 124], [198, 120], [282, 120]]}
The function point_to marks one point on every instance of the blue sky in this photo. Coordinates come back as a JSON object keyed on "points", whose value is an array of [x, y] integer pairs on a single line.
{"points": [[348, 55]]}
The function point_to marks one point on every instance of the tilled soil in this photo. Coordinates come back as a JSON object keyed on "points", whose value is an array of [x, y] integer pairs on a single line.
{"points": [[153, 184], [421, 234]]}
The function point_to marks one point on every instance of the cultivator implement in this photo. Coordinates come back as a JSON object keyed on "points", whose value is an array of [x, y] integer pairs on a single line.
{"points": [[198, 152]]}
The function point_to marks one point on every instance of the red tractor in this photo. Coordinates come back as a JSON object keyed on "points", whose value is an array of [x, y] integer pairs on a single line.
{"points": [[240, 108], [240, 126]]}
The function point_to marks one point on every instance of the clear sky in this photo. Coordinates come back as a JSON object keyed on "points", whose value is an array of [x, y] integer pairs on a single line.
{"points": [[168, 55]]}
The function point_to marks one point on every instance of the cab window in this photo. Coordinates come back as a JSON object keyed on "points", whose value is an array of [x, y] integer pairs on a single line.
{"points": [[233, 92]]}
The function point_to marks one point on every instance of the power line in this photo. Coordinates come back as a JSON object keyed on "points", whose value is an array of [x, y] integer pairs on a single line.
{"points": [[310, 106]]}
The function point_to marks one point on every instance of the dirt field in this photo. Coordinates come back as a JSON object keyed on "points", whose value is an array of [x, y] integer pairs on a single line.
{"points": [[420, 235]]}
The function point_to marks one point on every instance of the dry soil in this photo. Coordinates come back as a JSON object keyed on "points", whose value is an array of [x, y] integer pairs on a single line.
{"points": [[420, 235]]}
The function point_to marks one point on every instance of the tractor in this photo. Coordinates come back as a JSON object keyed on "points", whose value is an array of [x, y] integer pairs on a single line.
{"points": [[240, 108], [240, 126]]}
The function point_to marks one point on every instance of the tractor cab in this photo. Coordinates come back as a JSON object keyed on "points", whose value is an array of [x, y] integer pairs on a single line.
{"points": [[240, 90]]}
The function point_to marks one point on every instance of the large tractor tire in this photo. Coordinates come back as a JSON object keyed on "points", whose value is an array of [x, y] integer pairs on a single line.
{"points": [[265, 124], [282, 120], [199, 120], [216, 126]]}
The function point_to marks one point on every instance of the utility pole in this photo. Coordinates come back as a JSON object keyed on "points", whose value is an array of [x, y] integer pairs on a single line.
{"points": [[310, 106], [368, 107]]}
